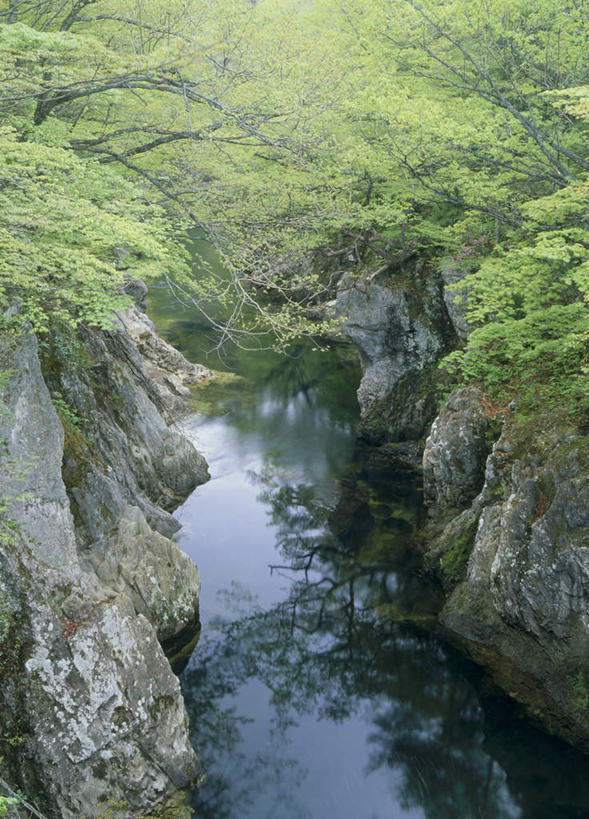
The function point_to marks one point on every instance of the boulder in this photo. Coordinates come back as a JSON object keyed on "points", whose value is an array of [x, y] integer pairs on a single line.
{"points": [[456, 451]]}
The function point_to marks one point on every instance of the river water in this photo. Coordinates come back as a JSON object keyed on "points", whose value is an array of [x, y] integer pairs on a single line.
{"points": [[319, 688]]}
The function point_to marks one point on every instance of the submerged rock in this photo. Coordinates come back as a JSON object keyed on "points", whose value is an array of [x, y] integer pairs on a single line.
{"points": [[90, 583]]}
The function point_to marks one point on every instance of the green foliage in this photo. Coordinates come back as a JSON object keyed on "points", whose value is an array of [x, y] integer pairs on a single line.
{"points": [[66, 412], [63, 221], [528, 304], [580, 693], [305, 139], [5, 803]]}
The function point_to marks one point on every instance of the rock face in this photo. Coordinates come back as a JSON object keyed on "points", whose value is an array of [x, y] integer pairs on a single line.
{"points": [[455, 297], [119, 449], [456, 450], [163, 364], [508, 508], [401, 331], [516, 560], [90, 582]]}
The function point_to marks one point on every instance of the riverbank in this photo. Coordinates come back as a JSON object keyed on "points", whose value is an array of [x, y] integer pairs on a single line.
{"points": [[506, 493]]}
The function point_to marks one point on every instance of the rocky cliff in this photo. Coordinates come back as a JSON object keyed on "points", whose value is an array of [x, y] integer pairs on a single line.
{"points": [[509, 536], [402, 328], [508, 502], [91, 586]]}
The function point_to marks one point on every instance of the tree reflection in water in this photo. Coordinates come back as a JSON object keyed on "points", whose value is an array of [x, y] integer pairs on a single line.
{"points": [[356, 634]]}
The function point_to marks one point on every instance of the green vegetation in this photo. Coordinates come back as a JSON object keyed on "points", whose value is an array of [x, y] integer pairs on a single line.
{"points": [[306, 139], [453, 561], [580, 693], [5, 803]]}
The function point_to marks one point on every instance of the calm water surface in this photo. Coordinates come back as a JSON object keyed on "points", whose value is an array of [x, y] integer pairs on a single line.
{"points": [[319, 688]]}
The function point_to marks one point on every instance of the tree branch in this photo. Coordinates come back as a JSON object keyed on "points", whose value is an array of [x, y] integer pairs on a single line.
{"points": [[496, 96]]}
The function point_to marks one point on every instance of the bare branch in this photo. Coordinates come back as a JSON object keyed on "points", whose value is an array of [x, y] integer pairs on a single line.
{"points": [[73, 15]]}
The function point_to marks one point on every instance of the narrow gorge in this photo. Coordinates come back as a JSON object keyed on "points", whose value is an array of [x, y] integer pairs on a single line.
{"points": [[415, 535], [294, 409]]}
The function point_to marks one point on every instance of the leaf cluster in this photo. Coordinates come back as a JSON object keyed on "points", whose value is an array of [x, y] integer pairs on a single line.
{"points": [[71, 232]]}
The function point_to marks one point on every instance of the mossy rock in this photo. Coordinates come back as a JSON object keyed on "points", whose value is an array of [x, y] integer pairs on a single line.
{"points": [[457, 549]]}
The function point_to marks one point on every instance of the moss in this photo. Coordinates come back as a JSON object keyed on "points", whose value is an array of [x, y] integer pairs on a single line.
{"points": [[10, 642], [493, 431], [454, 560], [176, 807], [75, 445], [75, 464], [179, 648], [112, 810], [579, 695], [13, 650], [220, 388]]}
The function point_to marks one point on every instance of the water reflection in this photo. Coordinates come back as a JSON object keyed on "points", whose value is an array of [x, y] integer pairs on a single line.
{"points": [[352, 640], [320, 688]]}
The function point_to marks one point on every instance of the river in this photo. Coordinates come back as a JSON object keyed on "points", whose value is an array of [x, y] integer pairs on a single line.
{"points": [[320, 688]]}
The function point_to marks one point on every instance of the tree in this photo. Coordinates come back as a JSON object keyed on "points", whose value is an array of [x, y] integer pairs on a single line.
{"points": [[71, 232], [497, 148], [309, 139], [166, 103]]}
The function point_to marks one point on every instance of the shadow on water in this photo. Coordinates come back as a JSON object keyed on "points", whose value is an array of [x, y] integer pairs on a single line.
{"points": [[320, 687]]}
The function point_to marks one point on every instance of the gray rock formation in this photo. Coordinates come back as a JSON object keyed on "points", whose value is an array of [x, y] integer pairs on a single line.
{"points": [[456, 450], [121, 451], [455, 297], [401, 331], [163, 364], [517, 562], [89, 581], [161, 581]]}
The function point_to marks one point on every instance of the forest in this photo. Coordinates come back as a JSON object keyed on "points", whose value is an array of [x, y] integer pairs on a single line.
{"points": [[304, 139]]}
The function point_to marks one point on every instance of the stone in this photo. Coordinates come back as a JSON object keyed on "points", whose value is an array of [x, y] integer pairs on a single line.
{"points": [[456, 451], [164, 364], [90, 583], [401, 332], [522, 608], [160, 580], [137, 289], [455, 298], [31, 437], [124, 451]]}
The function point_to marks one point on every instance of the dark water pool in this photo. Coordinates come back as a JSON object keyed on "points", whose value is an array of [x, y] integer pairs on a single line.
{"points": [[319, 688]]}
